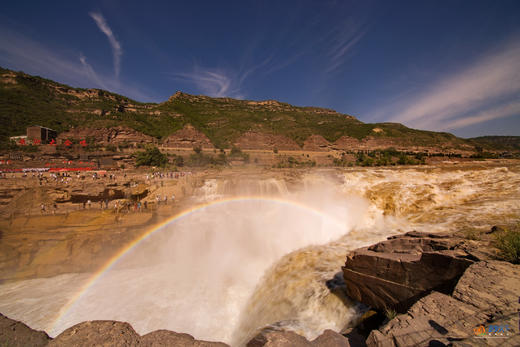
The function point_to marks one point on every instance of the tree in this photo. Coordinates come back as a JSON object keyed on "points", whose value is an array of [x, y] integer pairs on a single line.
{"points": [[152, 156], [179, 161]]}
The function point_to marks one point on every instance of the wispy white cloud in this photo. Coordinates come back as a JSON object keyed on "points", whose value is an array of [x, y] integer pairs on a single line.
{"points": [[492, 83], [220, 82], [117, 50], [502, 111], [342, 41], [90, 71], [22, 53], [211, 82]]}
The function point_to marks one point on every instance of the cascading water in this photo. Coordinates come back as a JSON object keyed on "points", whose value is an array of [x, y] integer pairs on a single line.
{"points": [[264, 252]]}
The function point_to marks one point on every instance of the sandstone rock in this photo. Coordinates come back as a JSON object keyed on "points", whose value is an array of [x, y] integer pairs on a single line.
{"points": [[397, 272], [112, 333], [492, 287], [188, 137], [114, 135], [486, 294], [169, 338], [276, 338], [98, 333], [273, 338], [316, 143], [259, 140], [15, 333], [331, 338], [96, 192], [436, 318]]}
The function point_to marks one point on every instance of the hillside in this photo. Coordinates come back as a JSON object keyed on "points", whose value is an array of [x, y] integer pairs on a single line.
{"points": [[510, 143], [26, 100]]}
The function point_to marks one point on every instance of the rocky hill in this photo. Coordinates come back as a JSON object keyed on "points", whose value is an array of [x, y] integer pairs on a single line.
{"points": [[217, 122]]}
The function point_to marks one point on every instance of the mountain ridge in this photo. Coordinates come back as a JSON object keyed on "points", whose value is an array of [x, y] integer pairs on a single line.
{"points": [[26, 100]]}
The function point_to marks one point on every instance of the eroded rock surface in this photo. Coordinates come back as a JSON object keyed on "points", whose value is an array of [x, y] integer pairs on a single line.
{"points": [[487, 294], [277, 338], [15, 333]]}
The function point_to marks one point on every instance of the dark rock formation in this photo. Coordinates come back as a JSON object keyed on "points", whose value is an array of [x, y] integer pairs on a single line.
{"points": [[14, 333], [397, 272], [486, 294]]}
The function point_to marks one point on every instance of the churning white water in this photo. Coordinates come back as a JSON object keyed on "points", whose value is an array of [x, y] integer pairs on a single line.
{"points": [[224, 271]]}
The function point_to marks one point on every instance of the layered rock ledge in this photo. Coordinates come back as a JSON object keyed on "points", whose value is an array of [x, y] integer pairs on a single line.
{"points": [[449, 289]]}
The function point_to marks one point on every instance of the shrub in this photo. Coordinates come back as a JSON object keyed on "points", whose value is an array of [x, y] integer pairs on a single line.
{"points": [[152, 156], [390, 314], [179, 161], [111, 148], [508, 242], [235, 151]]}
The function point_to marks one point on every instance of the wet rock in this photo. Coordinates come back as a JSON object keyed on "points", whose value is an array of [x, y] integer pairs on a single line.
{"points": [[15, 333], [169, 338], [397, 272], [98, 333]]}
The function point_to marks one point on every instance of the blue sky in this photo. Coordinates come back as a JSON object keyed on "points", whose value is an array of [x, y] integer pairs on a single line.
{"points": [[437, 65]]}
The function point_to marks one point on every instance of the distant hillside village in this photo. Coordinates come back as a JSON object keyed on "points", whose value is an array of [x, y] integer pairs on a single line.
{"points": [[113, 148], [36, 135]]}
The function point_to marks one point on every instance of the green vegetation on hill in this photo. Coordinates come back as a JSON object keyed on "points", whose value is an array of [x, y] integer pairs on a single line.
{"points": [[29, 100], [511, 143]]}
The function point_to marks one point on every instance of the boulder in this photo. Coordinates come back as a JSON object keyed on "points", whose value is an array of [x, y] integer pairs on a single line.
{"points": [[15, 333], [169, 338], [397, 272], [98, 333], [113, 333], [273, 338], [331, 338], [276, 338]]}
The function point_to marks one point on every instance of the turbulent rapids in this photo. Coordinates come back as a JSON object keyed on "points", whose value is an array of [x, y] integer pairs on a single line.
{"points": [[265, 250]]}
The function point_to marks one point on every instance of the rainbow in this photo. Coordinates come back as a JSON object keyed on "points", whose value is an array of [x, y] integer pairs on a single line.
{"points": [[200, 207]]}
